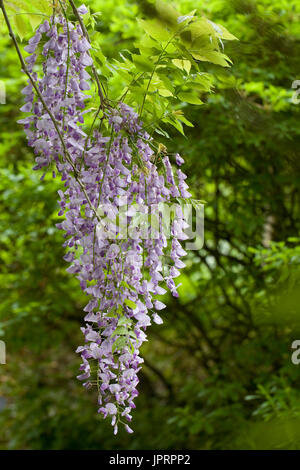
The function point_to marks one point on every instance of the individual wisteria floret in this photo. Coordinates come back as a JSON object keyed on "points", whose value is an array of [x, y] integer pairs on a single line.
{"points": [[113, 184]]}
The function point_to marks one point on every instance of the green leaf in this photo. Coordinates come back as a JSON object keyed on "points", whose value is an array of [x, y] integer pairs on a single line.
{"points": [[119, 343], [201, 27], [124, 321], [142, 63], [132, 334], [120, 330], [189, 97], [35, 20], [175, 124], [21, 26], [155, 30], [223, 33], [41, 6], [160, 131], [161, 73], [130, 303], [164, 92], [182, 64], [212, 56], [182, 118]]}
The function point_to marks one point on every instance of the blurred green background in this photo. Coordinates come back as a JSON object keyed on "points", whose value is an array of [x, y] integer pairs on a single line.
{"points": [[218, 372]]}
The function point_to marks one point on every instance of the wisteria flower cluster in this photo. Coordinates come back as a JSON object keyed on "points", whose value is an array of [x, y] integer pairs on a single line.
{"points": [[105, 174]]}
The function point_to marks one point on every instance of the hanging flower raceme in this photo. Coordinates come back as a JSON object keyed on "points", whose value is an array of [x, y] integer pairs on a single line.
{"points": [[116, 192]]}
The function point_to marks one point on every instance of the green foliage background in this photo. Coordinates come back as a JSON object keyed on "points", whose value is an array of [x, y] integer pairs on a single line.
{"points": [[218, 373]]}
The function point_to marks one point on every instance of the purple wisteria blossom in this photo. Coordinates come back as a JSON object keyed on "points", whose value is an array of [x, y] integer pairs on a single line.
{"points": [[102, 174]]}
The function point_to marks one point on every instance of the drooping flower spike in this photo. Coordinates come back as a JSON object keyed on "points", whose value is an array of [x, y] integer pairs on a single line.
{"points": [[114, 189]]}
